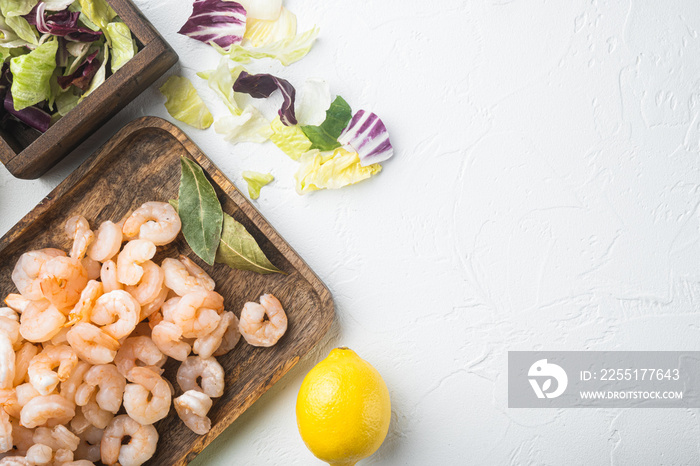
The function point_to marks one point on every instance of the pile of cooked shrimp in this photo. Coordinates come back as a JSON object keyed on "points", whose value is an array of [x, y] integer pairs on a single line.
{"points": [[83, 344]]}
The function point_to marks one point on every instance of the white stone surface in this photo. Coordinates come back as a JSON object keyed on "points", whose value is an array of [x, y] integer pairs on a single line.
{"points": [[544, 195]]}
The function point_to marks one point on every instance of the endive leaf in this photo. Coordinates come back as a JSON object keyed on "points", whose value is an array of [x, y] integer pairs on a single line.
{"points": [[239, 250], [200, 211]]}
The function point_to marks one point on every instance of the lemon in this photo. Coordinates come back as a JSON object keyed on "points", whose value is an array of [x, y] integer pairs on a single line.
{"points": [[343, 409]]}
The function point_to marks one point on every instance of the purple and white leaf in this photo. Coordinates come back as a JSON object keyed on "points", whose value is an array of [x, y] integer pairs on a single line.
{"points": [[62, 24], [216, 21], [82, 77], [260, 86], [367, 136], [32, 116]]}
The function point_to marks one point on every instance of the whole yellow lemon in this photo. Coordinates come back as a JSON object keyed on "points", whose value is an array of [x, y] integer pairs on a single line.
{"points": [[343, 409]]}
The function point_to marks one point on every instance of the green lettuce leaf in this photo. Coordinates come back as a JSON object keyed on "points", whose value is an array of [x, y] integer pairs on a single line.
{"points": [[97, 11], [23, 29], [291, 139], [123, 45], [31, 74], [4, 54], [8, 36], [221, 81], [184, 104], [331, 170], [249, 126], [287, 51], [67, 101], [256, 181], [325, 136], [16, 7]]}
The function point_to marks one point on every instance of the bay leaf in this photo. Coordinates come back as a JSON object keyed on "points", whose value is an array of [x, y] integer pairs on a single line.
{"points": [[239, 250], [200, 211]]}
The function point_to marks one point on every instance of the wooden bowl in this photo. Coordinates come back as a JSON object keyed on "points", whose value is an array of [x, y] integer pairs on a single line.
{"points": [[28, 154]]}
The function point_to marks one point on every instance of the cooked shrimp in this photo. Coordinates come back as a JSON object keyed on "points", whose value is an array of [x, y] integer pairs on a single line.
{"points": [[82, 310], [79, 230], [95, 415], [50, 410], [256, 329], [150, 286], [9, 324], [155, 305], [206, 345], [17, 302], [24, 393], [41, 368], [157, 222], [147, 398], [197, 313], [22, 437], [108, 275], [109, 383], [5, 432], [14, 461], [108, 241], [154, 319], [93, 268], [60, 337], [168, 338], [136, 252], [7, 362], [40, 321], [92, 344], [40, 455], [141, 349], [56, 438], [168, 309], [118, 312], [22, 359], [26, 272], [184, 276], [70, 386], [192, 407], [141, 446], [89, 446], [61, 280], [230, 338], [210, 372]]}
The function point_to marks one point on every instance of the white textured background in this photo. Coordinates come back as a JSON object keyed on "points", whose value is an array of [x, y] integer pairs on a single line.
{"points": [[544, 195]]}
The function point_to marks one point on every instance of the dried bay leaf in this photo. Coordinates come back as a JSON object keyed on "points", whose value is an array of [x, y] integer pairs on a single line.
{"points": [[200, 211], [239, 250]]}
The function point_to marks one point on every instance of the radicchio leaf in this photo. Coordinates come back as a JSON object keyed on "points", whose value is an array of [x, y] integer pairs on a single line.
{"points": [[82, 77], [218, 21], [260, 86], [368, 136], [32, 116], [63, 24]]}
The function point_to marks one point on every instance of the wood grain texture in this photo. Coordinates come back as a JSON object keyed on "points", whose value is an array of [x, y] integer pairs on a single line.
{"points": [[142, 163], [28, 154]]}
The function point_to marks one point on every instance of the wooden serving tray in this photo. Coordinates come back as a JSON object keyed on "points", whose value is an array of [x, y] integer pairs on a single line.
{"points": [[27, 153], [142, 163]]}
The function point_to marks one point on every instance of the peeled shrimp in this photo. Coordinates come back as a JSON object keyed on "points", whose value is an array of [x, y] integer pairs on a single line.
{"points": [[118, 312], [22, 359], [79, 230], [192, 407], [108, 241], [40, 321], [184, 276], [254, 327], [136, 252], [9, 325], [5, 432], [14, 461], [7, 362], [208, 370], [92, 344], [26, 272], [147, 398], [150, 286], [50, 410], [82, 310], [206, 346], [157, 222], [108, 275], [41, 368], [168, 338], [93, 268], [230, 339], [141, 349], [25, 393], [197, 313], [141, 446], [110, 384], [61, 280], [56, 438], [95, 415], [155, 305], [40, 455], [70, 386], [17, 302], [89, 446]]}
